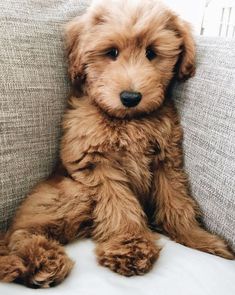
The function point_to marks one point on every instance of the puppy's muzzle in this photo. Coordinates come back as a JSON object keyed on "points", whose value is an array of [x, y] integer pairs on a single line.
{"points": [[130, 99]]}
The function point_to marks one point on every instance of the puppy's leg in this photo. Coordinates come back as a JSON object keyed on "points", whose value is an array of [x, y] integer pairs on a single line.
{"points": [[125, 244], [56, 210], [176, 210]]}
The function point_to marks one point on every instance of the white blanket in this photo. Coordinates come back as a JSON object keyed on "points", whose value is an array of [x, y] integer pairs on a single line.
{"points": [[178, 271]]}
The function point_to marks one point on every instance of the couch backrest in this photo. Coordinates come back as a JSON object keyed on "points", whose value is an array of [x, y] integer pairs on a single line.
{"points": [[33, 92]]}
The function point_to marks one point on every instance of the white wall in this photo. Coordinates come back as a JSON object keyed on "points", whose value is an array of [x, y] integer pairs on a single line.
{"points": [[190, 10], [212, 24], [194, 11]]}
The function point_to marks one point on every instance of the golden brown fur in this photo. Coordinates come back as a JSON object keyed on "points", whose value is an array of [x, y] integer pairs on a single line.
{"points": [[122, 168]]}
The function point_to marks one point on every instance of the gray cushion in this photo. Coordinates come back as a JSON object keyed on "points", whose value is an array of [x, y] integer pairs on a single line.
{"points": [[33, 91], [207, 107]]}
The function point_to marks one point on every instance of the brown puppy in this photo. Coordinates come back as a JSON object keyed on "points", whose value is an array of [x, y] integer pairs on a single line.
{"points": [[121, 151]]}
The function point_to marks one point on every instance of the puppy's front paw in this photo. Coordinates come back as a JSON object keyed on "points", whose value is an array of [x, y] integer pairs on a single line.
{"points": [[46, 261], [128, 256]]}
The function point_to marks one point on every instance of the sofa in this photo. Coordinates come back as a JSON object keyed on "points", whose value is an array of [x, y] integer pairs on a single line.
{"points": [[33, 92]]}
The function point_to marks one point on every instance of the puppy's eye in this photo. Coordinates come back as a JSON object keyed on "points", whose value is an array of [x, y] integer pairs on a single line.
{"points": [[112, 53], [150, 53]]}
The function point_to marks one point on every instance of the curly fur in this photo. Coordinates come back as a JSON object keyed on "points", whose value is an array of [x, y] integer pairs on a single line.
{"points": [[121, 169]]}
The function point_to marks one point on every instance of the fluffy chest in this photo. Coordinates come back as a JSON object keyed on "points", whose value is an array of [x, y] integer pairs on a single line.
{"points": [[92, 129], [132, 144], [103, 134]]}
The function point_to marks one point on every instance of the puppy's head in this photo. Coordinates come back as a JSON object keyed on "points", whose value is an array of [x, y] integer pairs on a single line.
{"points": [[124, 53]]}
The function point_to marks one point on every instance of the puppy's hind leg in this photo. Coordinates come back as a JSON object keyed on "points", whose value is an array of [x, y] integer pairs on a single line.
{"points": [[177, 212], [53, 213]]}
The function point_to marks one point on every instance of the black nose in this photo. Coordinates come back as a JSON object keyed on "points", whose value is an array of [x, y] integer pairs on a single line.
{"points": [[130, 99]]}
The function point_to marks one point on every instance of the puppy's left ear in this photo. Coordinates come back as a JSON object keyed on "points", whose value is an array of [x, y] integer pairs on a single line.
{"points": [[185, 67], [74, 31]]}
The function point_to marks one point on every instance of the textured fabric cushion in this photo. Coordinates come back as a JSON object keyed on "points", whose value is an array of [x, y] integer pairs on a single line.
{"points": [[33, 91], [207, 107]]}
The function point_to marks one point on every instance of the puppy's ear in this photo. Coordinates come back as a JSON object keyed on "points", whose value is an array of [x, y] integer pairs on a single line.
{"points": [[74, 31], [185, 67]]}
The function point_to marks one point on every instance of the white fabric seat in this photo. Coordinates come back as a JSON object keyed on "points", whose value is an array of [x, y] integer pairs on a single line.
{"points": [[178, 271]]}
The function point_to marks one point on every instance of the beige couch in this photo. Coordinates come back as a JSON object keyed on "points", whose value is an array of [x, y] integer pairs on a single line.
{"points": [[33, 93]]}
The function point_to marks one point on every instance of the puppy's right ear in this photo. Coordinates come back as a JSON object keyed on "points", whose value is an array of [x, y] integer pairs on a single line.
{"points": [[73, 39]]}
